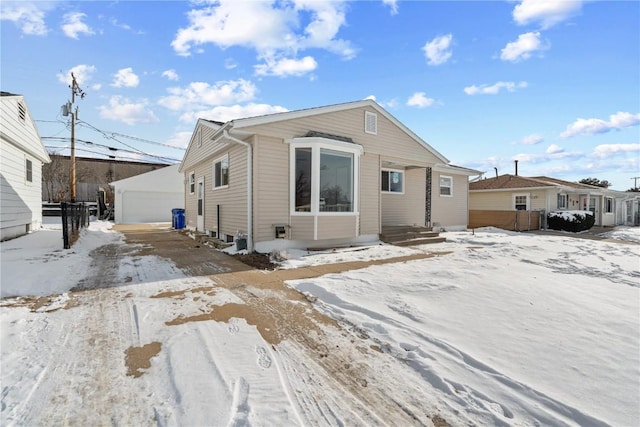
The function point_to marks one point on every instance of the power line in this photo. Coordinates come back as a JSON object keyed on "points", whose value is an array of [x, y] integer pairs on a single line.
{"points": [[112, 135], [85, 142]]}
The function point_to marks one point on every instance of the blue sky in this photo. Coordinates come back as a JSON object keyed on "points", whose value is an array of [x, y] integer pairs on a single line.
{"points": [[554, 84]]}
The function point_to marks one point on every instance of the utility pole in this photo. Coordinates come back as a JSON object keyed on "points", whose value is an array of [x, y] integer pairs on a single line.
{"points": [[635, 181], [72, 109]]}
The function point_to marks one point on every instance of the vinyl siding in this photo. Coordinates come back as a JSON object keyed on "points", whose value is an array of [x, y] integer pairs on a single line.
{"points": [[449, 211], [233, 199], [271, 186], [389, 141], [21, 201], [336, 227], [503, 200], [407, 208], [369, 194], [302, 227]]}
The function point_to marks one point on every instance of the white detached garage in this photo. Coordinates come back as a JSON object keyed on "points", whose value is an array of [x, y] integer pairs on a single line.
{"points": [[148, 197]]}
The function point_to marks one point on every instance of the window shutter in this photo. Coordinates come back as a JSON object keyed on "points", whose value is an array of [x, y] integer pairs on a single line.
{"points": [[371, 123]]}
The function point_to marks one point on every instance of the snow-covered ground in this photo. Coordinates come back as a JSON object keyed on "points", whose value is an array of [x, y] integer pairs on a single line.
{"points": [[507, 329]]}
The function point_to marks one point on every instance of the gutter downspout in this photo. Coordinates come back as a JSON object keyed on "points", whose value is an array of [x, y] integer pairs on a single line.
{"points": [[249, 148]]}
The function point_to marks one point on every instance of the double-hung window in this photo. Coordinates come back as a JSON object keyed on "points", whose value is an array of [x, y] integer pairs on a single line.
{"points": [[192, 182], [221, 172], [324, 175], [446, 186], [608, 205], [562, 201], [29, 170], [392, 181]]}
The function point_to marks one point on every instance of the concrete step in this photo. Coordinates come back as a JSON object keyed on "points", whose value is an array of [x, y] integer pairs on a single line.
{"points": [[396, 235], [420, 241]]}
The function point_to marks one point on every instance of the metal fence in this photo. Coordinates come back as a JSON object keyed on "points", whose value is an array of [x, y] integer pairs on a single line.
{"points": [[75, 216]]}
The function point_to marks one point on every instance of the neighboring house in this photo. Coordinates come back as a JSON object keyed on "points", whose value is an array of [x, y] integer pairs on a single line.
{"points": [[629, 212], [149, 197], [322, 176], [21, 157], [541, 193], [92, 175]]}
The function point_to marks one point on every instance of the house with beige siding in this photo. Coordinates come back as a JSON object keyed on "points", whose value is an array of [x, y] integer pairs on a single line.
{"points": [[544, 194], [317, 177]]}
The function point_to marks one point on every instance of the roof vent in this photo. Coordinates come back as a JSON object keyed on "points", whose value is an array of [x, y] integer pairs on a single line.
{"points": [[370, 123]]}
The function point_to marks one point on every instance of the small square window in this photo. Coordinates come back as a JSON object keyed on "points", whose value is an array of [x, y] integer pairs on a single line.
{"points": [[446, 186], [392, 181], [520, 202], [29, 170]]}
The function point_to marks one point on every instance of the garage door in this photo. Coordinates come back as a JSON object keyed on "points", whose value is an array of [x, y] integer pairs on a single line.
{"points": [[141, 206]]}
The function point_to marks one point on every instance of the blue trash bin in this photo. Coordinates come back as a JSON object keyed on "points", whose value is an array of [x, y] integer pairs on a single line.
{"points": [[178, 220]]}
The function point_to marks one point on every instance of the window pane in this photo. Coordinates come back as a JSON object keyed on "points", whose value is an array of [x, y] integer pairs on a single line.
{"points": [[217, 174], [445, 186], [385, 181], [225, 171], [396, 181], [336, 181], [303, 180], [521, 203], [29, 171]]}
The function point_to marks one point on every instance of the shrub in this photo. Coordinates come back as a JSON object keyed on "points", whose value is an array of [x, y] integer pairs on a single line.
{"points": [[573, 221]]}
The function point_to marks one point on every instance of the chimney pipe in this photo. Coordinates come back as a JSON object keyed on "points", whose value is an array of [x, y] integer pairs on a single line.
{"points": [[516, 167], [496, 171]]}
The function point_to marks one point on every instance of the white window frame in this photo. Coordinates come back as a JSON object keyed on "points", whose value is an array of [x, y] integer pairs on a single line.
{"points": [[401, 172], [528, 204], [564, 205], [316, 144], [28, 161], [450, 178], [370, 117], [609, 209], [192, 182], [213, 172]]}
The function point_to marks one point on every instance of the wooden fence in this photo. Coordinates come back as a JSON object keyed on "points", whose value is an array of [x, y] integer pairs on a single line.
{"points": [[507, 220]]}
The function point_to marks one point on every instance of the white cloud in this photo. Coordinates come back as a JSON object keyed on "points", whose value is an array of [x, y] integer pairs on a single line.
{"points": [[609, 150], [494, 89], [546, 12], [438, 50], [73, 25], [230, 64], [522, 48], [125, 77], [200, 95], [393, 5], [123, 110], [532, 139], [420, 100], [554, 149], [286, 67], [616, 121], [180, 139], [171, 75], [267, 27], [83, 74], [231, 112], [28, 16]]}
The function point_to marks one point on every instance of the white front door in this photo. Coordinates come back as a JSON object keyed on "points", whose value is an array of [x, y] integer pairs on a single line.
{"points": [[200, 192]]}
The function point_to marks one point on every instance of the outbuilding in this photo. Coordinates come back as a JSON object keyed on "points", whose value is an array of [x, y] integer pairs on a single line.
{"points": [[148, 197]]}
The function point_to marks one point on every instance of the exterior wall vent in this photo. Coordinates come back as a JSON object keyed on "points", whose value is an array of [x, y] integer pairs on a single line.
{"points": [[371, 123], [22, 112]]}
